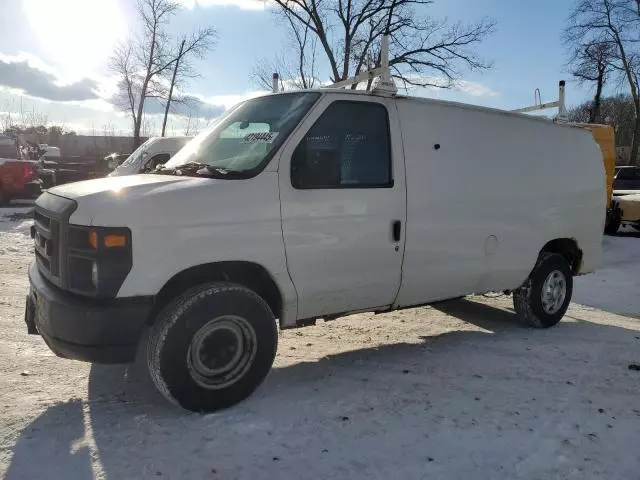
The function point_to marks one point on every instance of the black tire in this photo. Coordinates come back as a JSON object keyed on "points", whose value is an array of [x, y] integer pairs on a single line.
{"points": [[527, 300], [177, 371], [612, 225], [4, 199]]}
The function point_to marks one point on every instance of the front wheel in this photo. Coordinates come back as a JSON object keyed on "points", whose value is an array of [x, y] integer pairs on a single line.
{"points": [[212, 346], [544, 297]]}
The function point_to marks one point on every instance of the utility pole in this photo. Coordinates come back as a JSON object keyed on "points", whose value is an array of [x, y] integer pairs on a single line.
{"points": [[173, 81]]}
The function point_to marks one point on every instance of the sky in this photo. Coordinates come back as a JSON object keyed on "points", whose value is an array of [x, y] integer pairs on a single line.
{"points": [[54, 57]]}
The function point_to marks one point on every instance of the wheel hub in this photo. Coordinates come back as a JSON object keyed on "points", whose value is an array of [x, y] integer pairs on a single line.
{"points": [[221, 352], [554, 292]]}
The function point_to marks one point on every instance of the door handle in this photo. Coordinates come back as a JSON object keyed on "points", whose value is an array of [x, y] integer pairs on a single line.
{"points": [[396, 228]]}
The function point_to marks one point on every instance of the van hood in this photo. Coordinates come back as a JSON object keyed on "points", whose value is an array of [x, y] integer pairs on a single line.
{"points": [[115, 186], [115, 199]]}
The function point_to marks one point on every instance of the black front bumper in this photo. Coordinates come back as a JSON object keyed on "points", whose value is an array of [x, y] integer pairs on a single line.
{"points": [[100, 331]]}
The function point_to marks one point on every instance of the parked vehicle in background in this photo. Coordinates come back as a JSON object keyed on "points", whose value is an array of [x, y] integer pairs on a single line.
{"points": [[155, 151], [18, 178], [115, 159], [626, 181], [75, 169], [50, 152], [626, 197], [306, 205], [47, 165]]}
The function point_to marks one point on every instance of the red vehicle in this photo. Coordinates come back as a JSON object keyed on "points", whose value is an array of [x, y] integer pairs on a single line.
{"points": [[18, 178]]}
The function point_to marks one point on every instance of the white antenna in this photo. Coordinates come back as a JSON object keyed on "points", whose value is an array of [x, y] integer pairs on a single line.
{"points": [[385, 83], [560, 104]]}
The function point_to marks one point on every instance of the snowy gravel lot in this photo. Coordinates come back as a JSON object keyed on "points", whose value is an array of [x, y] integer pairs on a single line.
{"points": [[457, 390]]}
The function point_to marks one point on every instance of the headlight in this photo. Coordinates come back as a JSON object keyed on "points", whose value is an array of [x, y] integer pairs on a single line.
{"points": [[98, 259]]}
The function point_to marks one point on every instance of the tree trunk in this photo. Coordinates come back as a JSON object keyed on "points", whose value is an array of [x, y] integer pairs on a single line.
{"points": [[138, 124], [594, 114], [173, 82], [136, 130]]}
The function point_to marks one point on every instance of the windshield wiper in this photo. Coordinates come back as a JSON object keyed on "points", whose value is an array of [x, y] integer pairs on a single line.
{"points": [[201, 170]]}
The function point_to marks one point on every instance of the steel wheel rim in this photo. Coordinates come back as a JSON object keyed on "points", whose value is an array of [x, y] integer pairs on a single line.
{"points": [[221, 352], [554, 292]]}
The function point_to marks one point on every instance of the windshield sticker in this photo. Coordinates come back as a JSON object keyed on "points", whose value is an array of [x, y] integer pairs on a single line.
{"points": [[260, 137]]}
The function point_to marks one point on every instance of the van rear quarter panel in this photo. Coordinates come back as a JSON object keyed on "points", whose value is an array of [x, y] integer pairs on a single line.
{"points": [[522, 180]]}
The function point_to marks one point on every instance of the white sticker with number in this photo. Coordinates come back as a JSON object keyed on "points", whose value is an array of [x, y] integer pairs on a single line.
{"points": [[260, 137]]}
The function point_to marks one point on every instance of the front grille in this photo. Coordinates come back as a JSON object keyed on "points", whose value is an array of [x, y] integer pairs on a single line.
{"points": [[42, 261], [47, 243], [41, 219], [51, 219]]}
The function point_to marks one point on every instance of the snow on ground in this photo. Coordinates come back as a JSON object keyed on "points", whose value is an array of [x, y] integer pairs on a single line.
{"points": [[15, 224], [615, 286], [457, 390]]}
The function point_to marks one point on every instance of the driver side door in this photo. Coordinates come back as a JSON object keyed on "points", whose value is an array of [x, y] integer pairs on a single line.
{"points": [[343, 203]]}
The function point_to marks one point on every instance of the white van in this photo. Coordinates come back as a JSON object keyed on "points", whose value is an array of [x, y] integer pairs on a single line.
{"points": [[155, 151], [306, 205]]}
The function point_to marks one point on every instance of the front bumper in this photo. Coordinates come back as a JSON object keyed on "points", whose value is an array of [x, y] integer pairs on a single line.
{"points": [[100, 331]]}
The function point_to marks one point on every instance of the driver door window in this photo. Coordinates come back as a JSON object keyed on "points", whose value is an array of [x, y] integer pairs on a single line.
{"points": [[348, 147]]}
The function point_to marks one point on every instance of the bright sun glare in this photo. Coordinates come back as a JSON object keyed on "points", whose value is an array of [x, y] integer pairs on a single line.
{"points": [[80, 34]]}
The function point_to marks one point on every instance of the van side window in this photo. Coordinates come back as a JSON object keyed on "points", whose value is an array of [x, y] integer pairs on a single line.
{"points": [[347, 147]]}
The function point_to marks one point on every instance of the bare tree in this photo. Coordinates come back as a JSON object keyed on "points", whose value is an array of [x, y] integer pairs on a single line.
{"points": [[191, 127], [109, 129], [616, 23], [592, 63], [142, 63], [128, 94], [617, 111], [423, 51], [296, 67], [195, 45]]}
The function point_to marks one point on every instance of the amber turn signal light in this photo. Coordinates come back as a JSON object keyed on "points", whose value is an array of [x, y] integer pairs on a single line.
{"points": [[115, 241], [109, 241], [93, 239]]}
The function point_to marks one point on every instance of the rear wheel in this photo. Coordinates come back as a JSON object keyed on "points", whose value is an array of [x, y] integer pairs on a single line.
{"points": [[212, 346], [544, 297]]}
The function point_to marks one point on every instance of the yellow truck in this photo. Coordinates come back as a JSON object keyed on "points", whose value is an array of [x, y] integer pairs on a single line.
{"points": [[604, 136]]}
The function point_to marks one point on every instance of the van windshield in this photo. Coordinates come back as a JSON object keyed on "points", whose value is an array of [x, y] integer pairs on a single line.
{"points": [[138, 152], [248, 135]]}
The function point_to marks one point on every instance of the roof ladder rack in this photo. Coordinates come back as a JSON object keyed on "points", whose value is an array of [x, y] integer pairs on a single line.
{"points": [[385, 84], [560, 104]]}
